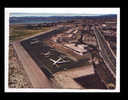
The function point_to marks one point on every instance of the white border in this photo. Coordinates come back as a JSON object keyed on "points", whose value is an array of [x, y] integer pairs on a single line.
{"points": [[94, 10]]}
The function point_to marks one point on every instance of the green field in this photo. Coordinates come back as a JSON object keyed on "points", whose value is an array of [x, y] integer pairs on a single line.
{"points": [[17, 32]]}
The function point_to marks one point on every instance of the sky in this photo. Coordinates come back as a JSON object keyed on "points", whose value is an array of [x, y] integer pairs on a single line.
{"points": [[19, 12], [50, 14]]}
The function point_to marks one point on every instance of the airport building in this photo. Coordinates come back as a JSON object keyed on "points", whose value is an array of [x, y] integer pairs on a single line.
{"points": [[79, 49]]}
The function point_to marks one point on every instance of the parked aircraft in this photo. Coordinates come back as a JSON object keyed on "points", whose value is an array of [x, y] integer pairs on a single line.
{"points": [[58, 61], [33, 42]]}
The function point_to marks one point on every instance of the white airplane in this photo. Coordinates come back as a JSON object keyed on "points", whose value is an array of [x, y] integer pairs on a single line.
{"points": [[33, 42], [60, 60], [46, 54]]}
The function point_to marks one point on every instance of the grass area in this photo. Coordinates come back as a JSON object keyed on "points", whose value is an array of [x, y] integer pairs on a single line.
{"points": [[20, 32]]}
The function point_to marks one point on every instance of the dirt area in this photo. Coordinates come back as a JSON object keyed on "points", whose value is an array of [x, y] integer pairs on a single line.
{"points": [[17, 75], [65, 79]]}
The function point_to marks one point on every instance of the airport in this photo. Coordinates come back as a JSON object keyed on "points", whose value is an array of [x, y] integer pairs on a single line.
{"points": [[47, 57], [72, 55]]}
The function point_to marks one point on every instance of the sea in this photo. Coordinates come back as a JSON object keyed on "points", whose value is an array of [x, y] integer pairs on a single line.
{"points": [[33, 22], [37, 20], [52, 19]]}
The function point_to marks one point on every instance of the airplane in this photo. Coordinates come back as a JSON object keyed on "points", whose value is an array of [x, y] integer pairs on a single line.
{"points": [[60, 60], [47, 53], [33, 42]]}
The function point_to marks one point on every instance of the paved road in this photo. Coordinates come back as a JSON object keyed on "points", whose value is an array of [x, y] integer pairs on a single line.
{"points": [[105, 52]]}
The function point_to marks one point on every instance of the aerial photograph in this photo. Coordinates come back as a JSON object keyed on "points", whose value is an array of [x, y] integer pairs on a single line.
{"points": [[65, 49]]}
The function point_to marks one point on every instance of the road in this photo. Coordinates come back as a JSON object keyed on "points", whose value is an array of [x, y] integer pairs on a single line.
{"points": [[32, 70], [105, 52]]}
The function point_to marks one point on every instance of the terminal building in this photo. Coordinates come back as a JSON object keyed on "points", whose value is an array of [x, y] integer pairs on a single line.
{"points": [[79, 49]]}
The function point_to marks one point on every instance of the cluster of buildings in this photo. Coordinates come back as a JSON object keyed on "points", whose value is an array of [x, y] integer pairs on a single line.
{"points": [[77, 39], [80, 49], [109, 29]]}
